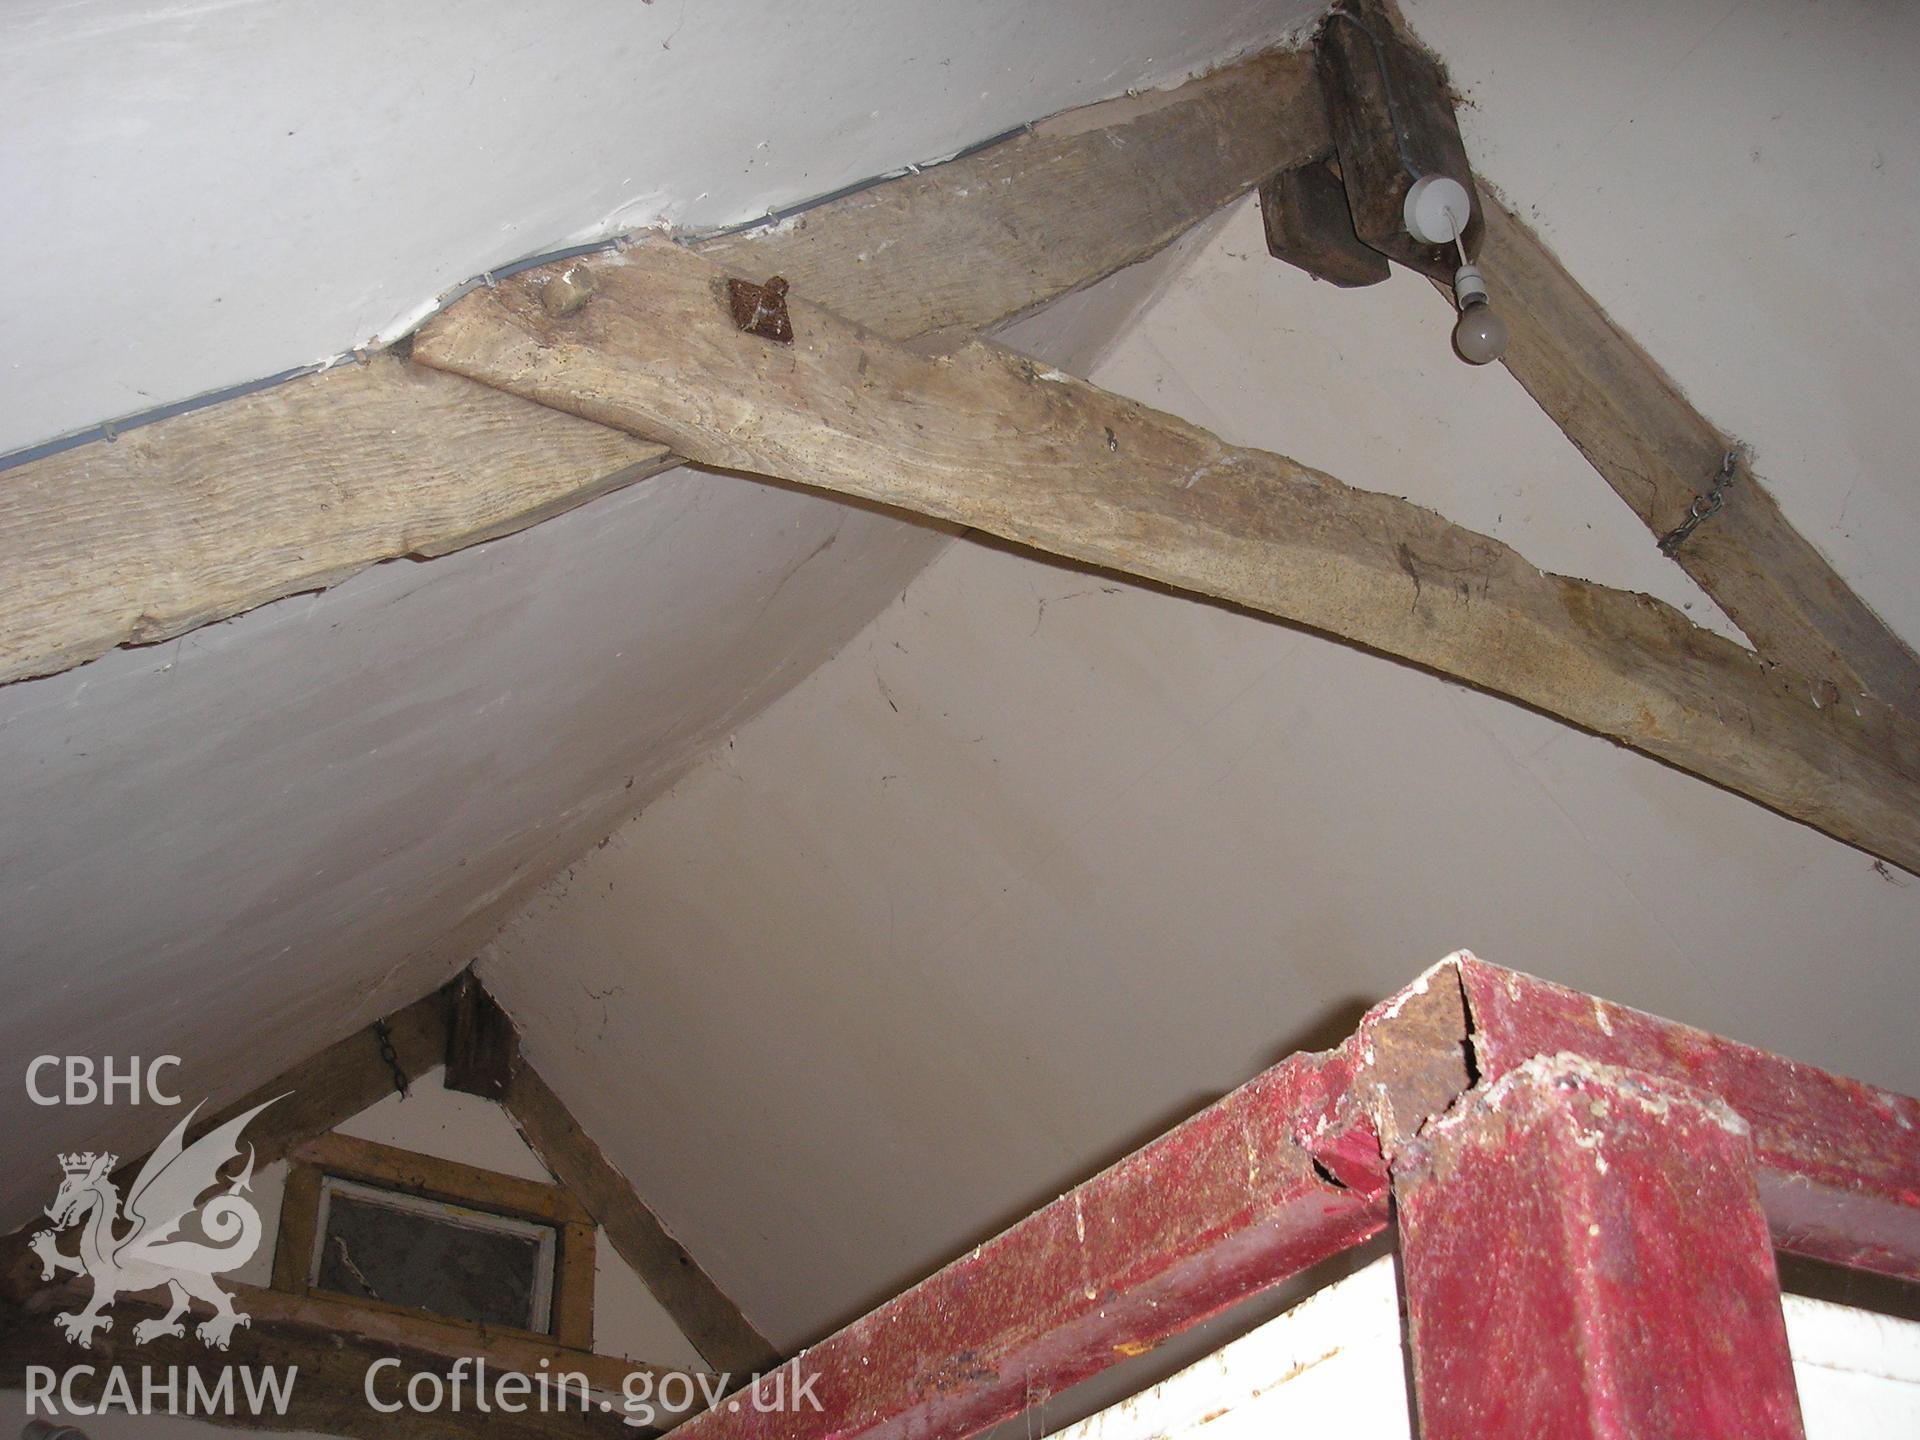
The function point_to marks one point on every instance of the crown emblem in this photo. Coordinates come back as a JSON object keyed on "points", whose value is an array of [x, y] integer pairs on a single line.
{"points": [[130, 1245]]}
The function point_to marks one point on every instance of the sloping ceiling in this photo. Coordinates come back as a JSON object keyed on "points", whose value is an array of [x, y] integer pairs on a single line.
{"points": [[1038, 861], [1042, 860], [240, 845], [1738, 184], [201, 194], [277, 829]]}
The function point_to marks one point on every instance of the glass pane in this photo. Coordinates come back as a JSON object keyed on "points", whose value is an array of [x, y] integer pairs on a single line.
{"points": [[430, 1261]]}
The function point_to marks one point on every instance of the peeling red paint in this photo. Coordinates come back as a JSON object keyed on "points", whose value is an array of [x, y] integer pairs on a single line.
{"points": [[1597, 1247], [1839, 1160], [1585, 1257], [1216, 1209]]}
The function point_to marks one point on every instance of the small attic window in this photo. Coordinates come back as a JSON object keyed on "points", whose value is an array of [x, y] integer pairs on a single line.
{"points": [[451, 1260], [381, 1228]]}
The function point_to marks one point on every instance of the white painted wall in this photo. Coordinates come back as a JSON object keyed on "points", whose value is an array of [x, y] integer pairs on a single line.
{"points": [[1031, 868], [1041, 860], [203, 194], [1336, 1364], [430, 1120], [241, 845]]}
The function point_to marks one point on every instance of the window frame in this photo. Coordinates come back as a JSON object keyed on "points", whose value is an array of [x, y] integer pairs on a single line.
{"points": [[402, 1175]]}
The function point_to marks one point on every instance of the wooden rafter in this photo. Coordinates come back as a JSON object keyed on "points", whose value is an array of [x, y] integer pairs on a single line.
{"points": [[333, 1340], [483, 1048], [211, 513], [206, 515], [1391, 116], [272, 1309], [1659, 454], [967, 245], [333, 1086], [315, 1095], [331, 1343], [983, 437], [712, 1323]]}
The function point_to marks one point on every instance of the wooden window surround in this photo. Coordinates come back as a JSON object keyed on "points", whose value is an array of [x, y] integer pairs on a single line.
{"points": [[364, 1161]]}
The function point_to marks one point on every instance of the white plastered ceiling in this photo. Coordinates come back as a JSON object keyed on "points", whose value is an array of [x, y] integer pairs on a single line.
{"points": [[1039, 861], [1042, 860], [200, 194], [243, 844]]}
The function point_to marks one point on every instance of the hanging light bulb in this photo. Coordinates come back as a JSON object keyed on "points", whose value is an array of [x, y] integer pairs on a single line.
{"points": [[1479, 335], [1437, 210]]}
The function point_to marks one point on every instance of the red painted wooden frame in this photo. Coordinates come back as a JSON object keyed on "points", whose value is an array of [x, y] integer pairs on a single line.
{"points": [[1299, 1164], [1584, 1256]]}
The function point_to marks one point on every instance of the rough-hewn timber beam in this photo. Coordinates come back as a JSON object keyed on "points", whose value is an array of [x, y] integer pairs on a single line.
{"points": [[983, 437], [967, 245], [320, 1092], [333, 1086], [330, 1344], [203, 516], [1622, 411], [313, 1096], [483, 1048], [712, 1323], [333, 1341], [193, 519], [1659, 454], [410, 1332]]}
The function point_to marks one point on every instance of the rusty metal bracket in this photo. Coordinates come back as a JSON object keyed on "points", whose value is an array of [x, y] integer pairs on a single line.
{"points": [[761, 309]]}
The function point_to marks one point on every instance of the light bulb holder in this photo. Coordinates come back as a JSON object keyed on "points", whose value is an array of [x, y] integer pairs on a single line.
{"points": [[1469, 286]]}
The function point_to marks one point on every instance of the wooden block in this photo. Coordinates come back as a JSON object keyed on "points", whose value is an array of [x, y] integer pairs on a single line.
{"points": [[1392, 120], [1309, 225]]}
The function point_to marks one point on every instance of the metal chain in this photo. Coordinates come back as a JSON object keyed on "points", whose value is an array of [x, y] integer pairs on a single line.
{"points": [[1710, 503], [392, 1057]]}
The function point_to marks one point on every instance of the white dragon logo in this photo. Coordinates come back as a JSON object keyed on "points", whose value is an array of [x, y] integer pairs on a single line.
{"points": [[147, 1256]]}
